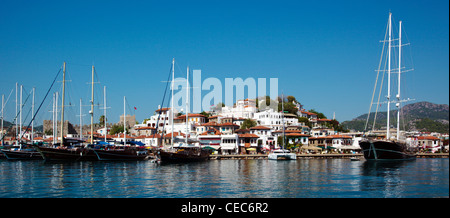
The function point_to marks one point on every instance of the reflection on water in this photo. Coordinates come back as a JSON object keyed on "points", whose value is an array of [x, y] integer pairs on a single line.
{"points": [[309, 178]]}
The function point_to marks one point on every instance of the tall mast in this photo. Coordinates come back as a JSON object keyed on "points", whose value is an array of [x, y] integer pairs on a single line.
{"points": [[55, 130], [104, 110], [81, 120], [389, 80], [62, 104], [15, 119], [124, 126], [3, 107], [399, 72], [20, 116], [53, 119], [173, 83], [282, 120], [32, 117], [187, 105], [92, 107]]}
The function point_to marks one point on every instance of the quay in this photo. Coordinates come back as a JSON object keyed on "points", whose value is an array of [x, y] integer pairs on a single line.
{"points": [[264, 156], [432, 155], [306, 156]]}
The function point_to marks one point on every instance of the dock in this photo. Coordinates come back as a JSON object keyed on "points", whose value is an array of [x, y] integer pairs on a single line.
{"points": [[432, 155], [310, 156], [264, 156]]}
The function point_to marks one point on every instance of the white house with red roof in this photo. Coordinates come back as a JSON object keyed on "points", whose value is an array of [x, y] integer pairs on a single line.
{"points": [[429, 142], [266, 138]]}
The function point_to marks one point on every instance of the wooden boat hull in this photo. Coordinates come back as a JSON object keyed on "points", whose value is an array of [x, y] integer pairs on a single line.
{"points": [[282, 156], [120, 154], [180, 157], [385, 150], [66, 154], [22, 155]]}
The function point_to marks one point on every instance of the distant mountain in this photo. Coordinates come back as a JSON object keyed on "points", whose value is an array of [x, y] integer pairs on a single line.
{"points": [[421, 116], [7, 124]]}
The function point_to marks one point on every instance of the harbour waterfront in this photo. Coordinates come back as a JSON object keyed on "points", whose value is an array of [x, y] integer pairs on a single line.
{"points": [[259, 178]]}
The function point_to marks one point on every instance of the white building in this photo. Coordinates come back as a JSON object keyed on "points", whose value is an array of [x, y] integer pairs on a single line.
{"points": [[158, 120], [273, 119], [321, 132], [243, 108], [266, 138]]}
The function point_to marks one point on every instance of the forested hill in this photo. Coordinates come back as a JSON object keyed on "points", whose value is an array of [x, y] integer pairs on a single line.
{"points": [[421, 116]]}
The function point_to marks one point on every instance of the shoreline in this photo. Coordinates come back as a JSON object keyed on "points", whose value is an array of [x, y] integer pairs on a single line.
{"points": [[309, 156]]}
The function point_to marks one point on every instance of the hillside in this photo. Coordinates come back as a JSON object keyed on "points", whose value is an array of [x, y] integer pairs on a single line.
{"points": [[421, 116]]}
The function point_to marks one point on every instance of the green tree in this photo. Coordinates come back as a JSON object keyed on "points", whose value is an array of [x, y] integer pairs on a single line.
{"points": [[102, 120], [319, 115], [117, 129], [248, 123], [48, 132], [289, 107], [205, 114], [304, 120], [291, 98]]}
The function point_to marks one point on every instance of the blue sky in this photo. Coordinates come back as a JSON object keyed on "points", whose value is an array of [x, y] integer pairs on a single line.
{"points": [[323, 52]]}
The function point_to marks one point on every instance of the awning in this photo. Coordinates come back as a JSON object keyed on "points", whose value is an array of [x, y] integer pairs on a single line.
{"points": [[209, 148], [350, 147], [136, 143], [328, 147], [212, 147]]}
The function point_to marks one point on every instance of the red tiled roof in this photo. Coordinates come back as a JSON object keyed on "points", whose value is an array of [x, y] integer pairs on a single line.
{"points": [[211, 130], [175, 134], [247, 135], [261, 127], [210, 124], [191, 115], [427, 138], [297, 135], [229, 124], [308, 113], [163, 109]]}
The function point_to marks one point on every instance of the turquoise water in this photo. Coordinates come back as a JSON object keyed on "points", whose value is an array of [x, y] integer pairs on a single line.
{"points": [[308, 178]]}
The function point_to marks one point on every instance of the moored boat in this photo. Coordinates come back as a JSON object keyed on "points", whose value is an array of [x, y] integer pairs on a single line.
{"points": [[22, 154], [282, 154], [385, 150], [184, 155], [65, 153], [388, 148], [121, 153]]}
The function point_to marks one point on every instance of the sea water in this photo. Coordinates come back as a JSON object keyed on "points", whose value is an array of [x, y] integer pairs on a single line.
{"points": [[303, 178]]}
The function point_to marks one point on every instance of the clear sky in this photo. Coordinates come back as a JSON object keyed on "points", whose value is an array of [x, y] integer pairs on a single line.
{"points": [[324, 53]]}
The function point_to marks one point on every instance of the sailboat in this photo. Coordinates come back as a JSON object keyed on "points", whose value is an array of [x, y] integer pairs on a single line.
{"points": [[123, 152], [387, 148], [187, 152], [23, 151], [67, 149], [282, 154]]}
